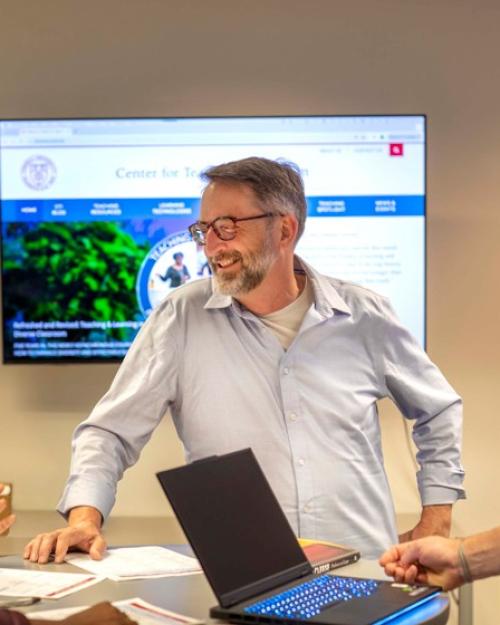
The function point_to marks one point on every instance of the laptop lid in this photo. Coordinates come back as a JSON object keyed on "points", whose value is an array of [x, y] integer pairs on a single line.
{"points": [[234, 525]]}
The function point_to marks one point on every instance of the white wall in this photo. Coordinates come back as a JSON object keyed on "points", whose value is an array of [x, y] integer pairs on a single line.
{"points": [[161, 57]]}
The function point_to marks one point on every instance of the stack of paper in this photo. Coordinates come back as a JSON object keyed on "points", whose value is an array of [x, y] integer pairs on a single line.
{"points": [[127, 563], [28, 583]]}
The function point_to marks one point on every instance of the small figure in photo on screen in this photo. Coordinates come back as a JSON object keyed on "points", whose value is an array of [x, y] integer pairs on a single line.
{"points": [[177, 274], [169, 270], [203, 266]]}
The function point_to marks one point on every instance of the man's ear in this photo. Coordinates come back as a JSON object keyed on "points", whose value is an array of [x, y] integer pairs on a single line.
{"points": [[289, 228]]}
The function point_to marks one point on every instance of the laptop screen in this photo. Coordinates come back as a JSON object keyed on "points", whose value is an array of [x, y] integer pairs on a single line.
{"points": [[233, 522]]}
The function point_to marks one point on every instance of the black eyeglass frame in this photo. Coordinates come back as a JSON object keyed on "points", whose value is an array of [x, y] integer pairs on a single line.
{"points": [[200, 236]]}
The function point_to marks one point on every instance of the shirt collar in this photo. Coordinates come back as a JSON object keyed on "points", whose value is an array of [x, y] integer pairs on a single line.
{"points": [[326, 297], [327, 300], [217, 300]]}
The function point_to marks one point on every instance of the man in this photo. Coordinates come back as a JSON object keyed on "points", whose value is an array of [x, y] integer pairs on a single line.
{"points": [[271, 355], [445, 562]]}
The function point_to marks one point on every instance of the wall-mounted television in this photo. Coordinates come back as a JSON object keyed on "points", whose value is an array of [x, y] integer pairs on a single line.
{"points": [[93, 211]]}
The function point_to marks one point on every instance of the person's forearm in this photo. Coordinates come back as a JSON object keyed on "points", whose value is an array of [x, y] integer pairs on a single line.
{"points": [[482, 552], [85, 514], [437, 519], [434, 521]]}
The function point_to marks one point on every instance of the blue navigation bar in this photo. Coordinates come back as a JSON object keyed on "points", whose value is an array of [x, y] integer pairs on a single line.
{"points": [[119, 209], [366, 206], [109, 209]]}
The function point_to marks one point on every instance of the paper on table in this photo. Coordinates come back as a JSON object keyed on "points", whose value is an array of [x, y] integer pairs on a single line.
{"points": [[137, 609], [47, 585], [137, 563]]}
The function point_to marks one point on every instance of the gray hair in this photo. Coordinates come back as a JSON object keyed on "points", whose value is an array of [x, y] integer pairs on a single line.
{"points": [[277, 184]]}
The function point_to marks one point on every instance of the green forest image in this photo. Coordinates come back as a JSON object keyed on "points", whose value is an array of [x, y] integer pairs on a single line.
{"points": [[72, 271]]}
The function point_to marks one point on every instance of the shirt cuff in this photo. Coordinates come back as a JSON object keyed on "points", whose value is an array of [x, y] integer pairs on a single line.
{"points": [[438, 486], [85, 492]]}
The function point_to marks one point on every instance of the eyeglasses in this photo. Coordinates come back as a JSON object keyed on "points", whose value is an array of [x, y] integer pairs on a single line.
{"points": [[224, 227]]}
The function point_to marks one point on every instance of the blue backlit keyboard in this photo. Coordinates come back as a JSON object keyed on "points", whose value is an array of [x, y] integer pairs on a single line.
{"points": [[310, 598]]}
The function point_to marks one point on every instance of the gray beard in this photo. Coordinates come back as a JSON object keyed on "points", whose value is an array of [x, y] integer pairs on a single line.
{"points": [[254, 268]]}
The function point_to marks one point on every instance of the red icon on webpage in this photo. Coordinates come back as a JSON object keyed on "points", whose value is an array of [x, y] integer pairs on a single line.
{"points": [[396, 149]]}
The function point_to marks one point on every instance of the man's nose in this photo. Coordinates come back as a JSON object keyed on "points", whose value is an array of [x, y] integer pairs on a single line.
{"points": [[213, 244]]}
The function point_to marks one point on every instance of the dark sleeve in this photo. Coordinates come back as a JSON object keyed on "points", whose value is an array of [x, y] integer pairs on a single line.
{"points": [[8, 617], [185, 270], [170, 273]]}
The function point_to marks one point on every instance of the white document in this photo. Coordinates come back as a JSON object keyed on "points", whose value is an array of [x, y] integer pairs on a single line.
{"points": [[137, 609], [47, 585], [127, 563]]}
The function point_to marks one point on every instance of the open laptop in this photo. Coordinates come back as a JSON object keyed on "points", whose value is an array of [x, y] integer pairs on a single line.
{"points": [[252, 559]]}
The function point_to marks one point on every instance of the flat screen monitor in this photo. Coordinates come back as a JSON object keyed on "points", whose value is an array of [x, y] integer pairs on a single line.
{"points": [[93, 211]]}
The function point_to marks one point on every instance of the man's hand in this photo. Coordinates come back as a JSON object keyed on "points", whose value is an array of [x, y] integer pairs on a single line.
{"points": [[433, 560], [101, 613], [434, 521], [83, 532], [7, 521]]}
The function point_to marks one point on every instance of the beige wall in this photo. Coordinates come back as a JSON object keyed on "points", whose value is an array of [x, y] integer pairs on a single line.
{"points": [[160, 57]]}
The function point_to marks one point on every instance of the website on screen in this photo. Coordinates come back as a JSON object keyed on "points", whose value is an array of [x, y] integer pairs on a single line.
{"points": [[93, 212]]}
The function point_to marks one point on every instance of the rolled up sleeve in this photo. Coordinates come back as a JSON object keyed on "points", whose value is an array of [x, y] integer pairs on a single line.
{"points": [[423, 395]]}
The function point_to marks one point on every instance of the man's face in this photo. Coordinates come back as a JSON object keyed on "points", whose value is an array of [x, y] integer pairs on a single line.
{"points": [[241, 264]]}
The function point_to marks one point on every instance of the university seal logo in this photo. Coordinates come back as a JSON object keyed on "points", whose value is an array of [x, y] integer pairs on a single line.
{"points": [[152, 285], [38, 173]]}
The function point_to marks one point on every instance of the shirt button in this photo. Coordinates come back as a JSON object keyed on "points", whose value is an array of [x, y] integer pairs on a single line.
{"points": [[292, 416], [286, 371], [307, 508], [301, 462]]}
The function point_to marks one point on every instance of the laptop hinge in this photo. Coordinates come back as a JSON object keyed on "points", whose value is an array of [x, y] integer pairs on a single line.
{"points": [[263, 585]]}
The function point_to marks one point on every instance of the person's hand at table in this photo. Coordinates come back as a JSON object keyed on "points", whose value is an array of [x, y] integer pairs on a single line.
{"points": [[434, 561], [82, 533], [6, 522]]}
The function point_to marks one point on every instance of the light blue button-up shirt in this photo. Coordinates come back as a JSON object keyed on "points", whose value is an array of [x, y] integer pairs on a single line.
{"points": [[308, 413]]}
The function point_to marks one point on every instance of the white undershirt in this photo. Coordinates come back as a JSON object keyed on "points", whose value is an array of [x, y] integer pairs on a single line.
{"points": [[285, 323]]}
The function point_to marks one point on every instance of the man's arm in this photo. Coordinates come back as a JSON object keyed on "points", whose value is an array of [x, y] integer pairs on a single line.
{"points": [[111, 439], [434, 521], [424, 396], [83, 532], [433, 560], [482, 552], [8, 520], [436, 560]]}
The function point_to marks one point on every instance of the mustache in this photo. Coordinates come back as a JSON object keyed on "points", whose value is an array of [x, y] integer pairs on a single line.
{"points": [[225, 256]]}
